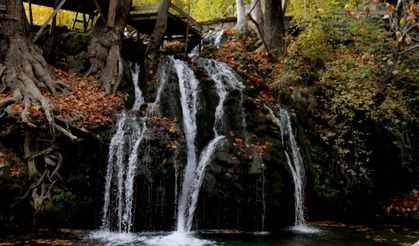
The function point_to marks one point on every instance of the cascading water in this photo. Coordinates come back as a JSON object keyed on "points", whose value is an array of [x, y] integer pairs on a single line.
{"points": [[195, 169], [188, 86], [225, 78], [296, 165], [117, 214], [139, 99], [213, 37], [121, 172]]}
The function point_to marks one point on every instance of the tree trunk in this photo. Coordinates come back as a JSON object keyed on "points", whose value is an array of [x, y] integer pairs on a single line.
{"points": [[241, 24], [159, 31], [256, 13], [284, 6], [274, 27], [104, 50], [23, 69]]}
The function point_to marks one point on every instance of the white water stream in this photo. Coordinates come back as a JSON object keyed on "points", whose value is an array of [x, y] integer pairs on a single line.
{"points": [[296, 165], [118, 204]]}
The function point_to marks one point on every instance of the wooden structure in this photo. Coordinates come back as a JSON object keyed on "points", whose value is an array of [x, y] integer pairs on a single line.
{"points": [[143, 18], [86, 20], [3, 5], [81, 6]]}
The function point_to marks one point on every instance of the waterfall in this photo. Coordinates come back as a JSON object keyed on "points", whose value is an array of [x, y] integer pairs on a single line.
{"points": [[139, 100], [188, 86], [225, 79], [213, 37], [118, 207], [121, 173], [294, 160]]}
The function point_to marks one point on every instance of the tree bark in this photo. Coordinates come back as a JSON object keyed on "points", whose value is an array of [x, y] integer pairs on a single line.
{"points": [[274, 27], [241, 24], [23, 69], [104, 50], [159, 31], [257, 13]]}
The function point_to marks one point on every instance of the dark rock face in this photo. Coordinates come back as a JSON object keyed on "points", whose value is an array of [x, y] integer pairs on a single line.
{"points": [[243, 188], [233, 194]]}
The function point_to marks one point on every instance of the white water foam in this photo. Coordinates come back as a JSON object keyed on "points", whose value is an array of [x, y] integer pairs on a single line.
{"points": [[178, 239]]}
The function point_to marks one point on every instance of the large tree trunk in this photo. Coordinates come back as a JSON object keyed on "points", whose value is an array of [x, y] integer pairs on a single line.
{"points": [[23, 69], [274, 27], [256, 11], [104, 50], [241, 24], [159, 31]]}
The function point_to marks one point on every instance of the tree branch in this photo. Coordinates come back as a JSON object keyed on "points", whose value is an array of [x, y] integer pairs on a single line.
{"points": [[409, 49]]}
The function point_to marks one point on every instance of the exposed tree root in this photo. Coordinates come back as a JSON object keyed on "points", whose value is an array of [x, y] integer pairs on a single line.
{"points": [[24, 72], [42, 180]]}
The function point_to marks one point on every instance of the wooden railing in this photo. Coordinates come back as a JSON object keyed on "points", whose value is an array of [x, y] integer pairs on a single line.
{"points": [[177, 11]]}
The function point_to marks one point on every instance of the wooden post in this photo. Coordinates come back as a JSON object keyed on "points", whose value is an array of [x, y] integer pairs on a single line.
{"points": [[74, 21], [100, 11], [112, 13], [41, 30], [30, 13], [54, 19], [84, 22]]}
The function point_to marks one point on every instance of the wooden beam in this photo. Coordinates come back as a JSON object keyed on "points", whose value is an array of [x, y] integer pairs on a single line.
{"points": [[112, 13], [54, 19], [145, 7], [185, 15], [84, 22], [54, 13], [30, 13], [74, 21], [100, 11]]}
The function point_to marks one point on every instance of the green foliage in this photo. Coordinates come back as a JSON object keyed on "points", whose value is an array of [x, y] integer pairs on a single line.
{"points": [[334, 72], [203, 10]]}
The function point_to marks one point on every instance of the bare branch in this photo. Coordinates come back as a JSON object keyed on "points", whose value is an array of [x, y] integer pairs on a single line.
{"points": [[409, 49]]}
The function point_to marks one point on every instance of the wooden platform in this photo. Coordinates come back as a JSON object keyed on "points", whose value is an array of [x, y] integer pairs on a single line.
{"points": [[81, 6], [143, 18]]}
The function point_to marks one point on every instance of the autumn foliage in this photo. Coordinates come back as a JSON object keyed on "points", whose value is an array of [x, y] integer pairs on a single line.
{"points": [[86, 105]]}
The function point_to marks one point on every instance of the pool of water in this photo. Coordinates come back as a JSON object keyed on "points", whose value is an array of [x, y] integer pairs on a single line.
{"points": [[356, 236]]}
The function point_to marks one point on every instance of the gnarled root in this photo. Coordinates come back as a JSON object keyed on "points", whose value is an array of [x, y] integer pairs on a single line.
{"points": [[24, 72], [42, 179], [105, 56]]}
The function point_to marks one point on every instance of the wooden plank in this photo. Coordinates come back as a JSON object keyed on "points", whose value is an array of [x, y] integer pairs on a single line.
{"points": [[2, 7], [112, 13], [30, 13], [54, 13], [141, 18], [54, 19], [99, 8], [145, 7], [185, 15]]}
